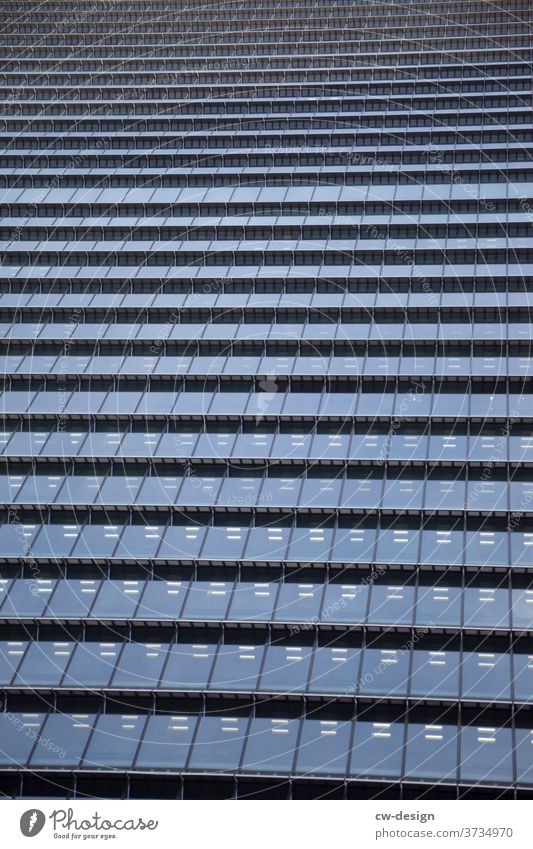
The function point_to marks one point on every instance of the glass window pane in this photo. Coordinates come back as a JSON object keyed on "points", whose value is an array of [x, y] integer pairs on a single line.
{"points": [[323, 747], [44, 663], [253, 601], [188, 666], [377, 749], [219, 742], [68, 735], [270, 746], [208, 600], [15, 748], [92, 664], [486, 754], [298, 602], [114, 741], [431, 752], [140, 665], [286, 668], [166, 742], [117, 599], [162, 600], [335, 669], [237, 667]]}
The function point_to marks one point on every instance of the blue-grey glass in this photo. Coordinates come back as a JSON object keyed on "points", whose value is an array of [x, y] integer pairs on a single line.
{"points": [[256, 445], [301, 403], [159, 490], [162, 599], [330, 446], [345, 602], [522, 547], [442, 544], [524, 762], [55, 540], [207, 600], [489, 446], [140, 665], [439, 604], [166, 742], [384, 672], [448, 446], [139, 541], [298, 602], [92, 664], [15, 748], [404, 446], [237, 666], [63, 740], [486, 675], [281, 492], [486, 606], [192, 403], [323, 747], [72, 598], [44, 663], [64, 444], [11, 654], [377, 749], [338, 404], [117, 598], [392, 603], [267, 543], [253, 601], [10, 486], [375, 404], [182, 541], [199, 490], [335, 669], [223, 403], [403, 493], [286, 668], [520, 448], [431, 752], [353, 545], [97, 541], [270, 745], [521, 495], [523, 676], [28, 597], [522, 608], [486, 547], [310, 543], [292, 445], [225, 542], [435, 673], [486, 754], [80, 489], [239, 492], [188, 666], [30, 444], [444, 494], [217, 445], [487, 495], [114, 741], [101, 444], [16, 539], [397, 545], [219, 742], [119, 489], [140, 444], [361, 492], [321, 492]]}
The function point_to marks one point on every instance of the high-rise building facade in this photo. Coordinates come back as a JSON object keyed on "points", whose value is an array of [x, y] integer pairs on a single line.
{"points": [[266, 421]]}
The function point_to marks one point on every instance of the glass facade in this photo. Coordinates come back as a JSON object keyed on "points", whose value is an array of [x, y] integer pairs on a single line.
{"points": [[266, 519]]}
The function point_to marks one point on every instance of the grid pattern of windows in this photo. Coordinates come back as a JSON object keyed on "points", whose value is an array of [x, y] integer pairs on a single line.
{"points": [[266, 493]]}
